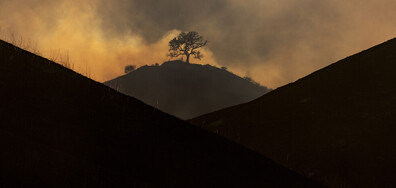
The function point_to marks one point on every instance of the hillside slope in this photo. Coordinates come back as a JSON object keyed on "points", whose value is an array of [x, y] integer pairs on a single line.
{"points": [[60, 129], [187, 90], [336, 125]]}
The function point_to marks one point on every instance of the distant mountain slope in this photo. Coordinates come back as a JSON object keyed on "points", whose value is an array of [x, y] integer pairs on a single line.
{"points": [[60, 129], [187, 90], [337, 125]]}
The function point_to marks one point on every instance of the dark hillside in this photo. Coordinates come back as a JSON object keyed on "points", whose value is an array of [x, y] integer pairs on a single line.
{"points": [[187, 90], [336, 125], [60, 129]]}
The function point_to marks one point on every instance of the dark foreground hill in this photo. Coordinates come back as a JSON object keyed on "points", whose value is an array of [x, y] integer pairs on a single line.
{"points": [[60, 129], [187, 90], [337, 125]]}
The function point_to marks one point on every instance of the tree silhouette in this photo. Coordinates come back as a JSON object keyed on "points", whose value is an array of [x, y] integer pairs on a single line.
{"points": [[187, 44]]}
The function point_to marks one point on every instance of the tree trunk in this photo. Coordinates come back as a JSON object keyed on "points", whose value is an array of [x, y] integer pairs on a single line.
{"points": [[188, 58]]}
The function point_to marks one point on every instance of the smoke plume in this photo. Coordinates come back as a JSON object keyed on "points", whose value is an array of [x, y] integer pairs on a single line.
{"points": [[272, 41]]}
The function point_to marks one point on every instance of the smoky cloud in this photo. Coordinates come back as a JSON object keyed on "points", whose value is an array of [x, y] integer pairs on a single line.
{"points": [[272, 41]]}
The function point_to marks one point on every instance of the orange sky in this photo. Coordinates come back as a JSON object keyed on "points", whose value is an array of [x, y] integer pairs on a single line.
{"points": [[275, 42]]}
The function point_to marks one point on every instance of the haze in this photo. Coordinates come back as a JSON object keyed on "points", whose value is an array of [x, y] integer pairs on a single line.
{"points": [[274, 42]]}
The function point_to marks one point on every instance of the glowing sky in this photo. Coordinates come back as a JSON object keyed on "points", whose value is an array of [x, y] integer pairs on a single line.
{"points": [[273, 41]]}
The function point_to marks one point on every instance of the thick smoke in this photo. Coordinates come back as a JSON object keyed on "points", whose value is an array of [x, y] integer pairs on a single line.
{"points": [[274, 42], [77, 28]]}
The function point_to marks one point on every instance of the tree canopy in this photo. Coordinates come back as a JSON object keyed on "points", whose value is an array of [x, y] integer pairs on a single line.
{"points": [[187, 44]]}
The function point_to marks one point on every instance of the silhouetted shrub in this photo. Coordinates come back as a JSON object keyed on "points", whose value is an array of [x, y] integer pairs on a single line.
{"points": [[130, 68], [248, 78]]}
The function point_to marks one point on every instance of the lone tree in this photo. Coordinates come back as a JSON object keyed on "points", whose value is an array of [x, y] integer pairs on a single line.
{"points": [[187, 44]]}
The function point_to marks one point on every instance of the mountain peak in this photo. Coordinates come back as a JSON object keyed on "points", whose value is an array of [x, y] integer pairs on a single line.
{"points": [[187, 90]]}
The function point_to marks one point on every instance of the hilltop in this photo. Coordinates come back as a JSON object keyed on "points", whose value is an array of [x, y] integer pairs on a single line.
{"points": [[336, 125], [61, 129], [187, 90]]}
